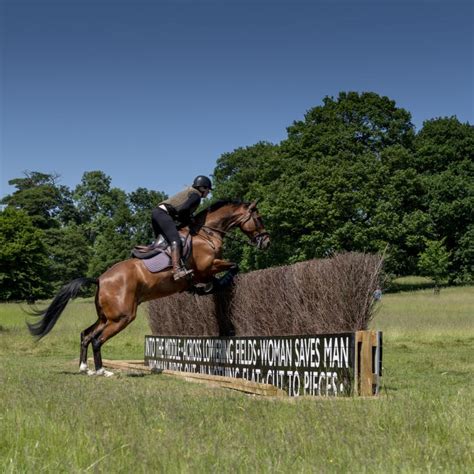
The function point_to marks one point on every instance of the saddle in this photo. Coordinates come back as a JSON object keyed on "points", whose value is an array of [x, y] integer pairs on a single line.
{"points": [[161, 245]]}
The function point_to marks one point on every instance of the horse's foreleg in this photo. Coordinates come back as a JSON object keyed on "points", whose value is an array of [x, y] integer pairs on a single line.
{"points": [[213, 284], [219, 265]]}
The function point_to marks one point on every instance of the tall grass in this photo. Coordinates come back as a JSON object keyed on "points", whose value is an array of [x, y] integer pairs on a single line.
{"points": [[54, 420], [426, 314]]}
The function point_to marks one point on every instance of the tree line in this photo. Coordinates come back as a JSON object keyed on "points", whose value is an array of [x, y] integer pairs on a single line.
{"points": [[352, 175]]}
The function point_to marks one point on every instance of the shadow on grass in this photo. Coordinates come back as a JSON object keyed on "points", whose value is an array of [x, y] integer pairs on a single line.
{"points": [[67, 372], [398, 287], [116, 374]]}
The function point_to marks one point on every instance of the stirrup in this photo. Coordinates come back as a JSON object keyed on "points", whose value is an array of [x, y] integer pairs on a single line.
{"points": [[181, 273]]}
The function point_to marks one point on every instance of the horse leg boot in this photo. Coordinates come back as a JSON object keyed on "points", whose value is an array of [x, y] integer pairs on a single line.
{"points": [[179, 271], [99, 369], [110, 330]]}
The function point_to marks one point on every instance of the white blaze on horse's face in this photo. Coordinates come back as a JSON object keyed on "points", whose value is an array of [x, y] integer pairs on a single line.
{"points": [[253, 227]]}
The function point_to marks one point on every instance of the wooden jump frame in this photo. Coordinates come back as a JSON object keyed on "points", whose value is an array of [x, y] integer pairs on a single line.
{"points": [[367, 359]]}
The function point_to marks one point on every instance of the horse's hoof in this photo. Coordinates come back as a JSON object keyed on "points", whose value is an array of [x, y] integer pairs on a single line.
{"points": [[104, 373], [83, 368], [90, 372]]}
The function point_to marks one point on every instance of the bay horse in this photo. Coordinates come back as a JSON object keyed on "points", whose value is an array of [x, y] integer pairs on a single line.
{"points": [[128, 283]]}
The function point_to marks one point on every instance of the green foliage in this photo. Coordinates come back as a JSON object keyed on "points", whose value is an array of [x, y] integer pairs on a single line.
{"points": [[326, 187], [353, 123], [110, 247], [445, 157], [68, 252], [141, 202], [94, 202], [354, 176], [464, 257], [38, 195], [434, 260], [84, 232], [351, 176], [24, 272], [443, 142], [240, 174]]}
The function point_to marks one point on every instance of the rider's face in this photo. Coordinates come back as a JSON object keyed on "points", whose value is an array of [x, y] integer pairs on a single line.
{"points": [[204, 191]]}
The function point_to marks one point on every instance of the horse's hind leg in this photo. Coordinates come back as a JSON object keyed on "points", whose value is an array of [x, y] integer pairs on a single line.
{"points": [[110, 329], [86, 338]]}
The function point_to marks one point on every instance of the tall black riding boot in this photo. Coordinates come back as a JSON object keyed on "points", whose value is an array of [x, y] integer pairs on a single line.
{"points": [[178, 269]]}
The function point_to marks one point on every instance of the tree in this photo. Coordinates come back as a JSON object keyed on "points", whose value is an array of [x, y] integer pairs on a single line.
{"points": [[434, 261], [39, 196], [68, 252], [463, 257], [93, 202], [141, 203], [113, 221], [443, 142], [244, 174], [353, 123], [24, 269], [109, 248], [337, 170], [444, 152], [400, 218], [323, 189]]}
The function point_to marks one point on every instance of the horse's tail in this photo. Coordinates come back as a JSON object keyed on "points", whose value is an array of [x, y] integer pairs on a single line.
{"points": [[49, 316]]}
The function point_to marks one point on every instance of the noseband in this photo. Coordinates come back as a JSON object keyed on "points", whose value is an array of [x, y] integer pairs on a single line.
{"points": [[257, 240]]}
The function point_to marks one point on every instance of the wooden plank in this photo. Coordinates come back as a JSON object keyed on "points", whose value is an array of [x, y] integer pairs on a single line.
{"points": [[357, 360], [126, 365], [364, 367], [242, 385], [376, 343]]}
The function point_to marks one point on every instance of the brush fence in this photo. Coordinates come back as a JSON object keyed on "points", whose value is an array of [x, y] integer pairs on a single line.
{"points": [[340, 364]]}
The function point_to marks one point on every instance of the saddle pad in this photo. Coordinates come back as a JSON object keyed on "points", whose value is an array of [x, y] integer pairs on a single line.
{"points": [[158, 262], [162, 260]]}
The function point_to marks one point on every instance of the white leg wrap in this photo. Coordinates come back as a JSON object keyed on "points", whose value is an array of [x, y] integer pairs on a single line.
{"points": [[83, 367], [104, 373]]}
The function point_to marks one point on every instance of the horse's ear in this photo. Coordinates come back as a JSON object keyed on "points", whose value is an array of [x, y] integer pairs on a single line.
{"points": [[253, 205]]}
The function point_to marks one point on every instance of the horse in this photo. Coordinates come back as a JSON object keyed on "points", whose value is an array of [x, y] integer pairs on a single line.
{"points": [[128, 283]]}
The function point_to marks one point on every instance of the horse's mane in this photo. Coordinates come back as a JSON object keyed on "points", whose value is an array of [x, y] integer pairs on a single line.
{"points": [[217, 205]]}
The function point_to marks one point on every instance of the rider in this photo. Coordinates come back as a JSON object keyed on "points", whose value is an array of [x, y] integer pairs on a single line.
{"points": [[175, 212]]}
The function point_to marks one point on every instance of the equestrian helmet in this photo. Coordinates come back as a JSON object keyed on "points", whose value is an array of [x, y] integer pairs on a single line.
{"points": [[202, 181]]}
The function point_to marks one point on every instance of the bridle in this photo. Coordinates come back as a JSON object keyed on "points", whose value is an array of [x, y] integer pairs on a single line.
{"points": [[255, 241]]}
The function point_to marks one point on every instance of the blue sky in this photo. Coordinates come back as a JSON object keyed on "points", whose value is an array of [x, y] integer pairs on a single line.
{"points": [[153, 92]]}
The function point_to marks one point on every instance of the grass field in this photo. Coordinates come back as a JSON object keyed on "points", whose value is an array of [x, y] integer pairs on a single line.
{"points": [[54, 420]]}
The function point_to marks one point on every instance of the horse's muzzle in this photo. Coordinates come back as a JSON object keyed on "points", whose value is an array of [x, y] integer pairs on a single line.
{"points": [[262, 240]]}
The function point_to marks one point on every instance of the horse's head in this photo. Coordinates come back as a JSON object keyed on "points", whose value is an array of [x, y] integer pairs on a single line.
{"points": [[222, 216], [251, 224]]}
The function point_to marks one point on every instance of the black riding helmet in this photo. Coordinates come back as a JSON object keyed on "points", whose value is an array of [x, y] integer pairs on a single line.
{"points": [[202, 181]]}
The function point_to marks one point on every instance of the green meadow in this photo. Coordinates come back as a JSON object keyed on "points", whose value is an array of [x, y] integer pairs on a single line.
{"points": [[52, 419]]}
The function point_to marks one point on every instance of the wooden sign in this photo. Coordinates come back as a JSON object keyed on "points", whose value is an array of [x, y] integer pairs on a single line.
{"points": [[320, 365]]}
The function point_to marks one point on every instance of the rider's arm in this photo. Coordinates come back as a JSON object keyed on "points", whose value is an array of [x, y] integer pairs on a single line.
{"points": [[185, 211]]}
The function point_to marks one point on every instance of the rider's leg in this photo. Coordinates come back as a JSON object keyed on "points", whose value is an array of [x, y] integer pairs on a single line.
{"points": [[179, 271], [160, 221], [164, 223]]}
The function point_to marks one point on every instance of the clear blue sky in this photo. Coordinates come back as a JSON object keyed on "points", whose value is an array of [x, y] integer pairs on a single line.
{"points": [[153, 92]]}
